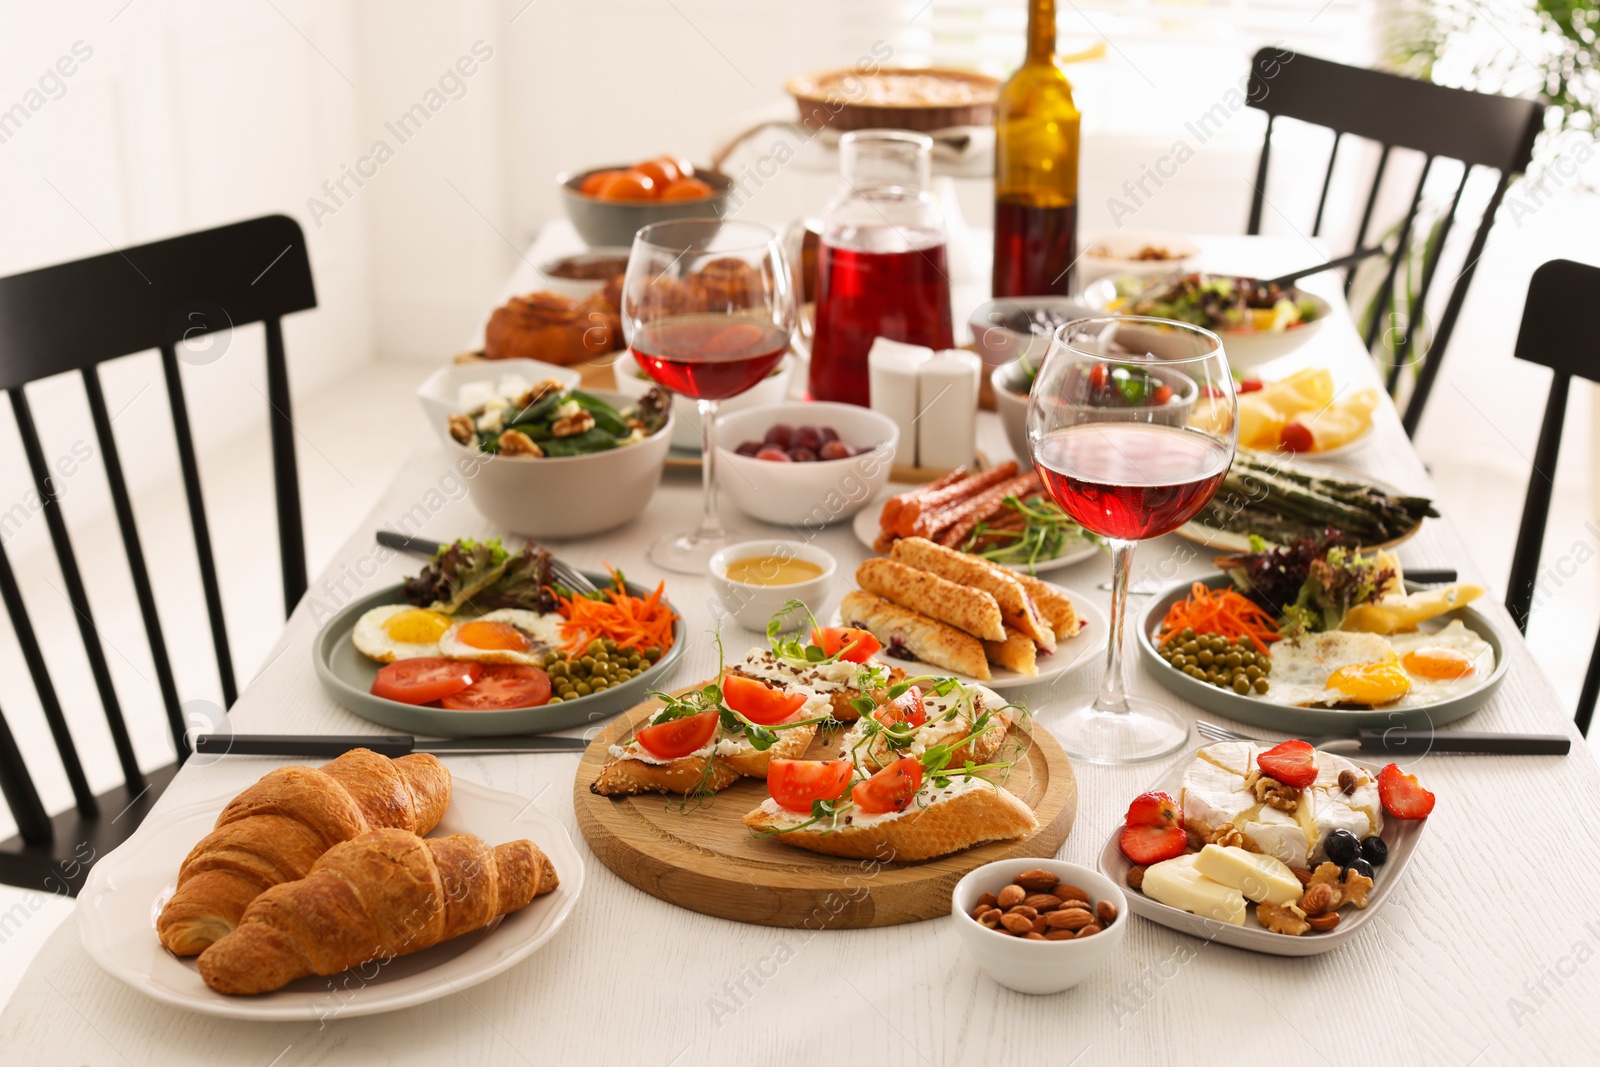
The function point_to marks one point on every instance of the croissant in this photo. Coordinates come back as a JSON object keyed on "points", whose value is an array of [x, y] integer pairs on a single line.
{"points": [[275, 830], [385, 894]]}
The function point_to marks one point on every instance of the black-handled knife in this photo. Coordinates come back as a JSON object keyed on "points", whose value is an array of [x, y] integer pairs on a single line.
{"points": [[331, 746], [1431, 576], [1399, 742], [401, 543]]}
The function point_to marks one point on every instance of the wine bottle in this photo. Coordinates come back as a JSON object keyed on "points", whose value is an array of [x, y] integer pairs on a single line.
{"points": [[1036, 169]]}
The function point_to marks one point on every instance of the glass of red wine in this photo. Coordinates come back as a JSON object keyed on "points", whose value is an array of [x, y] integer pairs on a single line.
{"points": [[1132, 424], [707, 308]]}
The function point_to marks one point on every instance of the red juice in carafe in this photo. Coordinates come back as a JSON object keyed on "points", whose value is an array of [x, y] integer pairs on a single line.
{"points": [[884, 286]]}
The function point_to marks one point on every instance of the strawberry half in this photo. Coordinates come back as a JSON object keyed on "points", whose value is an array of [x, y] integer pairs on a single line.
{"points": [[1402, 795], [1154, 809], [1152, 844], [1294, 763], [1154, 830]]}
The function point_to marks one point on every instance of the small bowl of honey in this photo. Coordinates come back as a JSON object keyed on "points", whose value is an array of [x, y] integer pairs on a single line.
{"points": [[754, 579]]}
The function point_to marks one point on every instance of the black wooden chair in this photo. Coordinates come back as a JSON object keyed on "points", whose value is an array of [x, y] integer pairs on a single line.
{"points": [[1556, 332], [73, 317], [1475, 129]]}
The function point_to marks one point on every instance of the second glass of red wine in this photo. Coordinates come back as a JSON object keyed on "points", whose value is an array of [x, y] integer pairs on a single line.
{"points": [[1132, 424], [707, 308]]}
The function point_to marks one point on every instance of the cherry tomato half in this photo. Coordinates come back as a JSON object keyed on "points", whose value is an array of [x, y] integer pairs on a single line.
{"points": [[678, 738], [1296, 437], [424, 680], [758, 701], [1099, 376], [906, 708], [501, 687], [1251, 385], [891, 789], [795, 783], [832, 639]]}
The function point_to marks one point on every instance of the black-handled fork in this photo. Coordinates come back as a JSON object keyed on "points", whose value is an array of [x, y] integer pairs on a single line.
{"points": [[563, 572], [1400, 742]]}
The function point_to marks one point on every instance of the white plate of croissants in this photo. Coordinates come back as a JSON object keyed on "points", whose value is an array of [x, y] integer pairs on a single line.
{"points": [[361, 886]]}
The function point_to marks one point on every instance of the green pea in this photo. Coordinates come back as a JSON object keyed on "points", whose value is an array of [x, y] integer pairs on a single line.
{"points": [[583, 689], [1261, 685], [1206, 657], [1241, 686]]}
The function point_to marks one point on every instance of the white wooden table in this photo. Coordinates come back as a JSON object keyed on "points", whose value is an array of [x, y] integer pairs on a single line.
{"points": [[1486, 953]]}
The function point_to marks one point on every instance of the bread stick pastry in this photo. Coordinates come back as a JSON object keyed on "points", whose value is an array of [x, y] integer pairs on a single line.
{"points": [[1052, 604], [1016, 653], [934, 719], [385, 893], [966, 811], [1016, 607], [971, 610], [902, 631], [275, 830]]}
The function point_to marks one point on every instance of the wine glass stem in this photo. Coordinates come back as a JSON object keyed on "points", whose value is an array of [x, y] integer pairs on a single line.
{"points": [[710, 524], [1114, 687]]}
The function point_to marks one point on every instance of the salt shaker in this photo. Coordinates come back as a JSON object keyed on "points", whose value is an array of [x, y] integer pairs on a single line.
{"points": [[947, 416], [892, 368]]}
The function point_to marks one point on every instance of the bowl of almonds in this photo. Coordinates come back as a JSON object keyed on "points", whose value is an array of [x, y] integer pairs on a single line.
{"points": [[1038, 926]]}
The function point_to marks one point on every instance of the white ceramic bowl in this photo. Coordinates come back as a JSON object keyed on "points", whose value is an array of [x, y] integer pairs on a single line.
{"points": [[686, 430], [1011, 402], [805, 496], [1036, 966], [999, 344], [1111, 253], [440, 395], [577, 288], [1245, 348], [566, 496], [752, 605]]}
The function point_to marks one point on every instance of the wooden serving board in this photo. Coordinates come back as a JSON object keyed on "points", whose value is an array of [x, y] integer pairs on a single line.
{"points": [[706, 860]]}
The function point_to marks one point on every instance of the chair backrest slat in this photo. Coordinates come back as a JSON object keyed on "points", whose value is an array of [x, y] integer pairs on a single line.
{"points": [[49, 703], [189, 465], [1476, 129], [1402, 249], [134, 552], [1430, 269], [1327, 182], [33, 822], [75, 594], [284, 470], [1366, 212]]}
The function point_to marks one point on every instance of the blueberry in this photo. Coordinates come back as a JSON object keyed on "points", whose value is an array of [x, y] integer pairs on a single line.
{"points": [[1375, 851], [1342, 847], [1360, 866]]}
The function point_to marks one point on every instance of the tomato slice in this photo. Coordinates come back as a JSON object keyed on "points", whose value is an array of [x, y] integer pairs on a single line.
{"points": [[906, 708], [891, 789], [678, 738], [424, 680], [795, 783], [501, 687], [833, 638], [758, 701]]}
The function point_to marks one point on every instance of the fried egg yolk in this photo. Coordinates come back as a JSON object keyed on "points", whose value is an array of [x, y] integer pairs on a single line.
{"points": [[493, 636], [1440, 664], [1371, 684], [416, 627]]}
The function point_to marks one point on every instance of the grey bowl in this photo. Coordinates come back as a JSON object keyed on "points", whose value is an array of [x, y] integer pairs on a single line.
{"points": [[999, 344], [346, 675], [603, 223], [1312, 722]]}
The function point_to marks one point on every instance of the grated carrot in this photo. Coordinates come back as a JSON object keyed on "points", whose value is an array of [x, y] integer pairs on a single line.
{"points": [[632, 622], [1219, 611]]}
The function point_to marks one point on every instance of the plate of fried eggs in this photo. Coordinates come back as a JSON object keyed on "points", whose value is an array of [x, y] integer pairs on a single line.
{"points": [[384, 627], [1341, 681]]}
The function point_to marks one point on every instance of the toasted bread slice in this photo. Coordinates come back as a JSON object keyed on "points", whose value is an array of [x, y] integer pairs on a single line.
{"points": [[968, 812], [940, 729], [927, 639], [970, 610], [761, 664], [630, 777], [791, 744], [1016, 653], [1017, 608]]}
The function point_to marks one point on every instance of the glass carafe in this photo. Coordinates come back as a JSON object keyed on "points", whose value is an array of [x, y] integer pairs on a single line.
{"points": [[881, 264]]}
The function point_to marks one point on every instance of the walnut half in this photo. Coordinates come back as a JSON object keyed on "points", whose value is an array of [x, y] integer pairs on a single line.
{"points": [[1282, 918], [572, 425], [461, 428], [1273, 793], [517, 443]]}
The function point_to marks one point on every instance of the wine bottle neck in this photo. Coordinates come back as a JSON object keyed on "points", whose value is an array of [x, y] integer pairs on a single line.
{"points": [[1041, 31]]}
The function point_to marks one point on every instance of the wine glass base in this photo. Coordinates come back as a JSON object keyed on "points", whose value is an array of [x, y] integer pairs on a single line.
{"points": [[1145, 731], [688, 553]]}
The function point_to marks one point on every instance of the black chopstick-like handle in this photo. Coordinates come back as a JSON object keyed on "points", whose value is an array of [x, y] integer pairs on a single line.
{"points": [[1421, 742], [402, 543], [327, 746], [1333, 264], [1433, 576]]}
